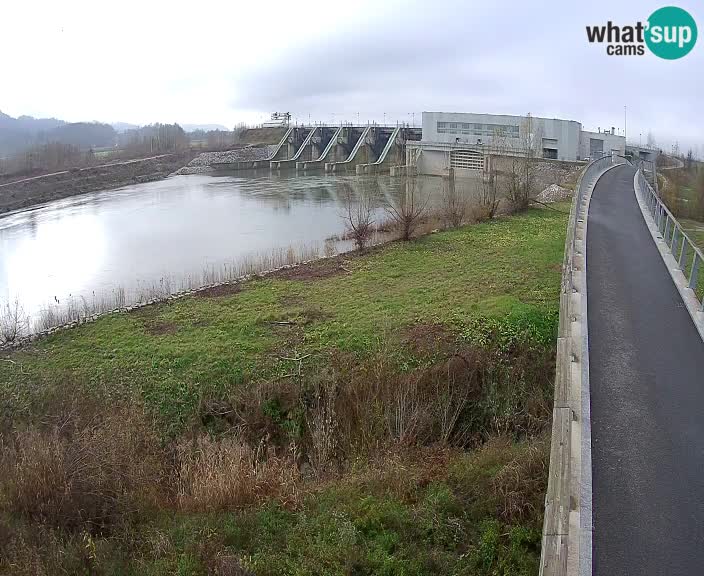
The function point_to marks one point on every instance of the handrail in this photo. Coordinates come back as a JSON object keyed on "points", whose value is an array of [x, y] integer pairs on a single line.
{"points": [[566, 545], [321, 159], [333, 142], [389, 144], [281, 143], [297, 154], [672, 232], [360, 142]]}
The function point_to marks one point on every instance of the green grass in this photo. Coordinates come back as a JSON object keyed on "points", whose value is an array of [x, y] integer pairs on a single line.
{"points": [[441, 526], [397, 510], [502, 276]]}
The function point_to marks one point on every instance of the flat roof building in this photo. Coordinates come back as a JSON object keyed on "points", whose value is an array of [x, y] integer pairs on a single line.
{"points": [[464, 140]]}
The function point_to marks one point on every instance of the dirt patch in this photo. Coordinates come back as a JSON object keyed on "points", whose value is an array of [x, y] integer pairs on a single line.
{"points": [[219, 291], [157, 328], [324, 268], [429, 339]]}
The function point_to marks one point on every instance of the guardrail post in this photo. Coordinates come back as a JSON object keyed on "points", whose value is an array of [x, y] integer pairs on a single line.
{"points": [[673, 245], [661, 223], [683, 254], [667, 229], [694, 276]]}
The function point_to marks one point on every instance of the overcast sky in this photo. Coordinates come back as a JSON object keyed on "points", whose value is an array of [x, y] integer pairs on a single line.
{"points": [[228, 62]]}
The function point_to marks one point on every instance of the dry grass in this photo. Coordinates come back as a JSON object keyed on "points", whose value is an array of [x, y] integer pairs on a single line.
{"points": [[520, 485], [228, 473], [81, 470]]}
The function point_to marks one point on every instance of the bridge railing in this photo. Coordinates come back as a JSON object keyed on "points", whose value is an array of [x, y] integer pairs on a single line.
{"points": [[687, 255], [566, 546]]}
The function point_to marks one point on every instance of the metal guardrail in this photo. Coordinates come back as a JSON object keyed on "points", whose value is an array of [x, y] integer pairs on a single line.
{"points": [[566, 544], [687, 255]]}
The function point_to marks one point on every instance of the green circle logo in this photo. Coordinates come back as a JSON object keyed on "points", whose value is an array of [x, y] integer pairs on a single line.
{"points": [[670, 33]]}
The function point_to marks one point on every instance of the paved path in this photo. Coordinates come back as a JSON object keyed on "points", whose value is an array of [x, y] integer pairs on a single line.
{"points": [[646, 363]]}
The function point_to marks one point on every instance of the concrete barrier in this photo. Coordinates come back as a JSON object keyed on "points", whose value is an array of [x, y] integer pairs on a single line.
{"points": [[567, 526]]}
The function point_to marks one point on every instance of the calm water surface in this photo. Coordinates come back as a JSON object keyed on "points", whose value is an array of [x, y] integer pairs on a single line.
{"points": [[138, 235]]}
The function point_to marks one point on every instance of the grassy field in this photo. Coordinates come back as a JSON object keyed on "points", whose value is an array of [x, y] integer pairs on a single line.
{"points": [[378, 414]]}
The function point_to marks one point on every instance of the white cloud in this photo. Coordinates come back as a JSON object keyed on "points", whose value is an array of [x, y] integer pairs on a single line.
{"points": [[224, 62]]}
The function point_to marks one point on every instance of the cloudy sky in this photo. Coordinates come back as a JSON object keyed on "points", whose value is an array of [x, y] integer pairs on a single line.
{"points": [[231, 61]]}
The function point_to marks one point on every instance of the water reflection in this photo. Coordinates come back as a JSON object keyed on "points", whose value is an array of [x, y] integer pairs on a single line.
{"points": [[140, 235]]}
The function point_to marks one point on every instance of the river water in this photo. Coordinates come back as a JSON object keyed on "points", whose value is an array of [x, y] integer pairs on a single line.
{"points": [[119, 245]]}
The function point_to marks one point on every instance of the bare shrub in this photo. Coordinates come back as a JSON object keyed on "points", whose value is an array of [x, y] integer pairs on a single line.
{"points": [[454, 204], [13, 322], [82, 473], [406, 412], [408, 210], [358, 214], [227, 473], [330, 248], [488, 200], [517, 189], [522, 168], [321, 421], [450, 399]]}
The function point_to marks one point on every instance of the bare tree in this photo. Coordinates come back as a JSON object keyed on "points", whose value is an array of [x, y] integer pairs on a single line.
{"points": [[407, 211], [521, 174], [358, 214], [13, 322], [488, 201], [454, 204]]}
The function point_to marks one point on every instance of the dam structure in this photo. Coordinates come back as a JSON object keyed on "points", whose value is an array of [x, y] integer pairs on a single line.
{"points": [[367, 149]]}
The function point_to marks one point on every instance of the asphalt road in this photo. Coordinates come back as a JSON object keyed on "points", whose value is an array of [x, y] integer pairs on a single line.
{"points": [[646, 362]]}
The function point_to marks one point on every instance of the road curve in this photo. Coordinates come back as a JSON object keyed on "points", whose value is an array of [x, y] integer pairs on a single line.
{"points": [[646, 363]]}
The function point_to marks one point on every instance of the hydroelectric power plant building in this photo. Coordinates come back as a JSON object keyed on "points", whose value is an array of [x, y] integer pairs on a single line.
{"points": [[468, 144], [465, 141]]}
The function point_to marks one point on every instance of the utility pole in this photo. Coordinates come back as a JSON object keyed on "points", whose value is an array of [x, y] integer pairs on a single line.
{"points": [[625, 134]]}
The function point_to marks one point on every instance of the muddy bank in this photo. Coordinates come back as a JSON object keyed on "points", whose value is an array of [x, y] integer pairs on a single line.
{"points": [[32, 191]]}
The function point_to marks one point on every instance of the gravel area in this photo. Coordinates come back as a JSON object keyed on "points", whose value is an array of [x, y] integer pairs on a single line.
{"points": [[203, 163], [554, 193]]}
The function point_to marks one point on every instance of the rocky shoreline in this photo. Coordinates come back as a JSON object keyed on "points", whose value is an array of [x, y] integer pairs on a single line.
{"points": [[204, 163]]}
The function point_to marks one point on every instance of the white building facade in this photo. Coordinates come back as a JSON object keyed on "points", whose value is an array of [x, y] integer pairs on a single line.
{"points": [[463, 141]]}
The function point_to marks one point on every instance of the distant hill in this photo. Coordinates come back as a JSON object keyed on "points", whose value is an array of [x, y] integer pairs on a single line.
{"points": [[204, 127], [124, 126], [17, 134]]}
